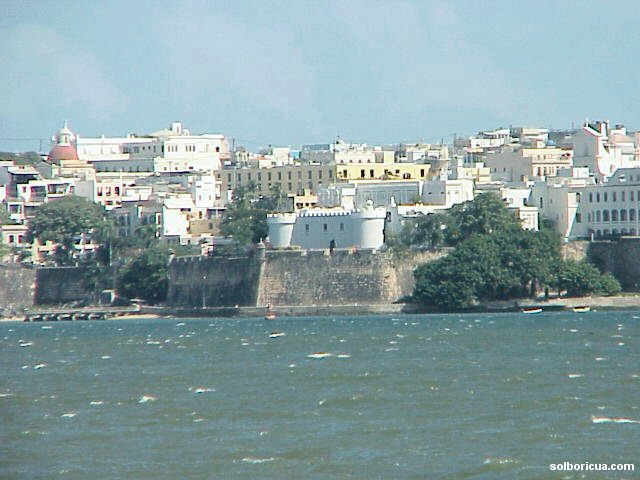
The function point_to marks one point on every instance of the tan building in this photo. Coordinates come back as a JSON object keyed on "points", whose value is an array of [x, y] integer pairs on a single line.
{"points": [[383, 171], [518, 164]]}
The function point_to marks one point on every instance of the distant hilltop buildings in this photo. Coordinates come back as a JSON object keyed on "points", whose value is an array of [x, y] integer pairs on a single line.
{"points": [[586, 181]]}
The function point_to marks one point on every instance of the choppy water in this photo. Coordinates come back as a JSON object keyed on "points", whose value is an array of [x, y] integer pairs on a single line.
{"points": [[449, 396]]}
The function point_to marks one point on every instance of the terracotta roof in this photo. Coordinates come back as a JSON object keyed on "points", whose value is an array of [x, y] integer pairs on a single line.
{"points": [[62, 152]]}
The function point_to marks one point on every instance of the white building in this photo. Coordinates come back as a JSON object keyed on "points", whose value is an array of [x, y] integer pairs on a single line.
{"points": [[558, 199], [324, 228], [603, 150], [610, 208], [183, 152]]}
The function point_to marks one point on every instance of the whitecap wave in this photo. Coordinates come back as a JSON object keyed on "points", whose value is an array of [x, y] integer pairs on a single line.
{"points": [[258, 460], [201, 389], [319, 355], [595, 419], [147, 398]]}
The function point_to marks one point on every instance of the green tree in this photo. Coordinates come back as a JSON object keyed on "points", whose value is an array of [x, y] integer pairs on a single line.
{"points": [[609, 285], [245, 220], [424, 231], [64, 220], [494, 259], [146, 276], [485, 214]]}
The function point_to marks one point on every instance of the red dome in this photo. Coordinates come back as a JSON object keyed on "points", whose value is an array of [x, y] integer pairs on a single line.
{"points": [[62, 152]]}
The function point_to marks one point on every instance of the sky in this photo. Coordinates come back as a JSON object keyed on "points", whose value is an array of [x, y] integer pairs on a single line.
{"points": [[295, 72]]}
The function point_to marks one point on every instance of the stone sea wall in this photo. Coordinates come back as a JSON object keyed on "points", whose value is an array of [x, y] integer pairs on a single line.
{"points": [[293, 277], [214, 281], [17, 284], [621, 258], [59, 285]]}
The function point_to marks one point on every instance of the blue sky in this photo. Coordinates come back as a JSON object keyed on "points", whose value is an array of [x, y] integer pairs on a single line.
{"points": [[297, 72]]}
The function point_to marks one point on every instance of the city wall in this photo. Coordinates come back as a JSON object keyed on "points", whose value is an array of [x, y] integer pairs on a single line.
{"points": [[214, 281], [621, 258], [59, 285], [17, 284], [294, 278]]}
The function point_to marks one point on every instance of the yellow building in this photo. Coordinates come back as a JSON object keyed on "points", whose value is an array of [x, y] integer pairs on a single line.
{"points": [[292, 179], [383, 171]]}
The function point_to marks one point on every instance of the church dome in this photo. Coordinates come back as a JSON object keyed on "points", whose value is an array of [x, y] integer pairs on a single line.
{"points": [[62, 152], [64, 148]]}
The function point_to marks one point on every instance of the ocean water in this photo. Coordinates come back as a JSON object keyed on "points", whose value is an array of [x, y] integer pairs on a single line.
{"points": [[474, 396]]}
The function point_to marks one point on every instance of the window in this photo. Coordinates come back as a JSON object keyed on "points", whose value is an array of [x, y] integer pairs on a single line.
{"points": [[279, 175], [306, 228], [623, 215], [342, 227], [371, 173], [324, 227], [330, 173], [578, 218], [309, 174], [606, 199], [598, 197], [605, 215], [632, 215], [259, 176], [422, 172], [319, 174], [622, 196], [289, 175], [614, 215], [269, 176], [614, 197], [361, 173], [590, 197]]}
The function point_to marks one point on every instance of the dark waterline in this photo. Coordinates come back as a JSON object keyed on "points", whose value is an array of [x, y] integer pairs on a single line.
{"points": [[434, 396]]}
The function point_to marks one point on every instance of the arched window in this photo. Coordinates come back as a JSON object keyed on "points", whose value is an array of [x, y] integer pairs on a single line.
{"points": [[605, 215], [598, 197], [623, 215], [598, 216], [632, 215], [614, 215]]}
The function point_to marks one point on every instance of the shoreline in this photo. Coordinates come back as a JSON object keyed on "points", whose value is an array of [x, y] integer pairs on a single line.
{"points": [[622, 302]]}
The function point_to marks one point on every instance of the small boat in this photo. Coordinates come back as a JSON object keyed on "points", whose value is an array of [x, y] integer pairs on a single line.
{"points": [[531, 310], [270, 314], [582, 309]]}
